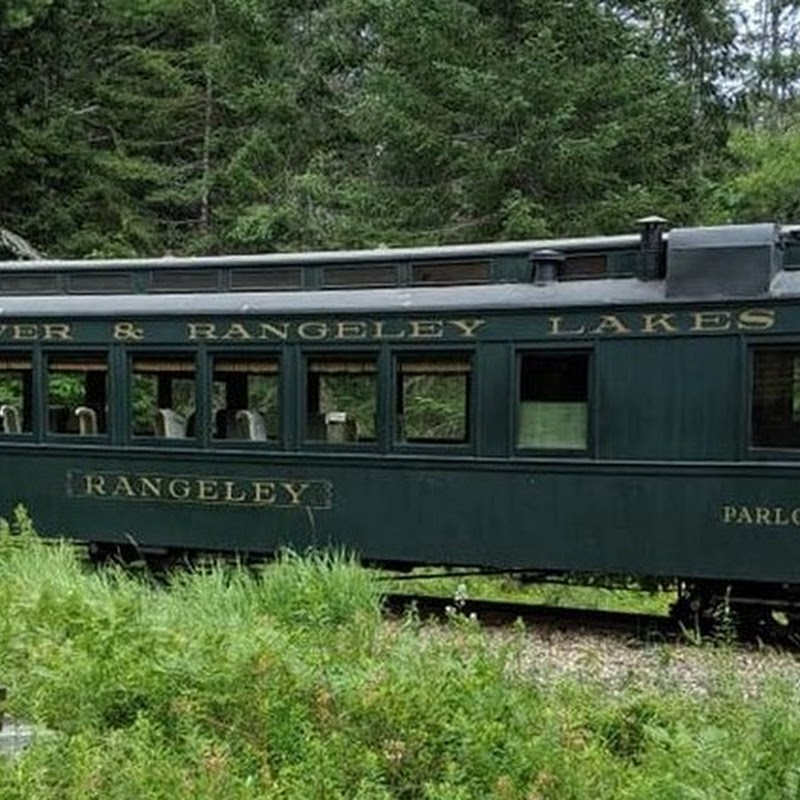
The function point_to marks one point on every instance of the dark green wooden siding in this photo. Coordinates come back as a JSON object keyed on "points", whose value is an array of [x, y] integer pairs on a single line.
{"points": [[669, 399]]}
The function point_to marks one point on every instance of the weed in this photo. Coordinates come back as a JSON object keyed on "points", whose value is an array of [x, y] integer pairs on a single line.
{"points": [[285, 683]]}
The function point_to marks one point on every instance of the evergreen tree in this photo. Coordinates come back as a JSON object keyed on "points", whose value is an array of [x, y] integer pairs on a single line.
{"points": [[146, 126]]}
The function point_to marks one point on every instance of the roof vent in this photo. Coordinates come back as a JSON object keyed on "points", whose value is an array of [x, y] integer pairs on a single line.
{"points": [[652, 248], [545, 265], [724, 261]]}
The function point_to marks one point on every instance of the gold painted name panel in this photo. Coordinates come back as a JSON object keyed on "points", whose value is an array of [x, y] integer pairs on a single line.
{"points": [[263, 492]]}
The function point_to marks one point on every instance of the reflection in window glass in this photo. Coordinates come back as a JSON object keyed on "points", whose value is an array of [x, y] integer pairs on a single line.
{"points": [[553, 402], [163, 396], [245, 398], [776, 398], [433, 399], [77, 394], [15, 393], [341, 399]]}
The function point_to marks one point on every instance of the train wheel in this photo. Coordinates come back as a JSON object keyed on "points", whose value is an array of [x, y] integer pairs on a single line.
{"points": [[753, 623], [706, 612]]}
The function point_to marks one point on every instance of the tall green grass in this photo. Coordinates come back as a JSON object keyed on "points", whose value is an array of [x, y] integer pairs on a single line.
{"points": [[287, 683]]}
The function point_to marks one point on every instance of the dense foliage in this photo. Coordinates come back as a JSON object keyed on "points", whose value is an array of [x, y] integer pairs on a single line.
{"points": [[136, 127], [231, 684]]}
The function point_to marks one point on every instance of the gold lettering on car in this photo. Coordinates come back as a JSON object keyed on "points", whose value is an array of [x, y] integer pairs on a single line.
{"points": [[274, 330], [233, 492], [340, 330], [711, 321], [556, 327], [610, 323], [237, 331], [665, 322], [313, 330], [755, 319], [201, 330], [773, 516], [351, 330], [127, 332], [466, 326], [382, 329], [201, 489], [426, 329], [652, 323], [36, 331]]}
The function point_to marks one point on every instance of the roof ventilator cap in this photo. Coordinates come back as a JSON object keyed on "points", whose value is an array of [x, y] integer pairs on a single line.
{"points": [[545, 266], [722, 261], [653, 254]]}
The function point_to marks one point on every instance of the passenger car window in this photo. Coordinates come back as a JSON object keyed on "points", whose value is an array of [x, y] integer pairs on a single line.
{"points": [[16, 386], [553, 401], [77, 394], [433, 398], [245, 398], [775, 408], [341, 399], [163, 393]]}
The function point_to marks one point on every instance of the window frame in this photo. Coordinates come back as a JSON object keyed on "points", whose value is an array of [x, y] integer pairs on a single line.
{"points": [[435, 447], [333, 353], [567, 349], [47, 354], [29, 354], [194, 355], [750, 450], [270, 443]]}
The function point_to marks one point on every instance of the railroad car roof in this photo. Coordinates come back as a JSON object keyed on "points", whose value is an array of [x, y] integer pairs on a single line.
{"points": [[690, 264], [380, 254], [608, 292]]}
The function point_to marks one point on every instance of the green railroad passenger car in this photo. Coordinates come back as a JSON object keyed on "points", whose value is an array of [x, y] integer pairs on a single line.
{"points": [[625, 405]]}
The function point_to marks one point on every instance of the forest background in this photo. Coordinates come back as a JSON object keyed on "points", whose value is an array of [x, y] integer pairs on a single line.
{"points": [[145, 127]]}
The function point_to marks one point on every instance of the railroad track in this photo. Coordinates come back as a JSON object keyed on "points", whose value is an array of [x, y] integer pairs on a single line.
{"points": [[646, 627], [638, 627]]}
